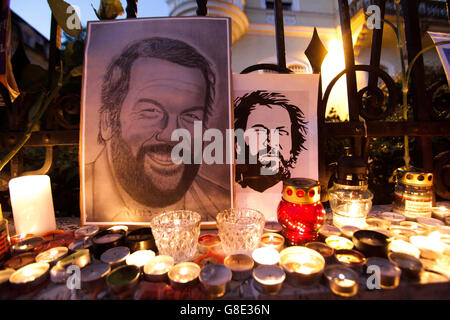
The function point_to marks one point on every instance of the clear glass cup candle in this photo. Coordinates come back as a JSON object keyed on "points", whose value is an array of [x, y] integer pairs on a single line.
{"points": [[176, 234], [240, 230], [343, 281]]}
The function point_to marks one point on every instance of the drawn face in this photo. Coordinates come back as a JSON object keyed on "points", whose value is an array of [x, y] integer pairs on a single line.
{"points": [[262, 120], [162, 97]]}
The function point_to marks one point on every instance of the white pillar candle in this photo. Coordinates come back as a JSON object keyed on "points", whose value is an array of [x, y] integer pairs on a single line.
{"points": [[32, 204]]}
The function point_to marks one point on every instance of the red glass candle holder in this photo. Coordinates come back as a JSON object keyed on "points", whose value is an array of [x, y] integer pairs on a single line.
{"points": [[300, 211]]}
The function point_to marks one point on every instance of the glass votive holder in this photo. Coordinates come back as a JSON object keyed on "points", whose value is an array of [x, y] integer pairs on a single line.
{"points": [[157, 269], [390, 273], [184, 274], [339, 243], [272, 240], [240, 230], [214, 278], [343, 281], [266, 256], [325, 250], [351, 258], [268, 279], [303, 266], [240, 265], [176, 234]]}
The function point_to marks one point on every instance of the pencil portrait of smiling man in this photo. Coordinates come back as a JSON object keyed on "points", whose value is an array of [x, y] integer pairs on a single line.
{"points": [[153, 87]]}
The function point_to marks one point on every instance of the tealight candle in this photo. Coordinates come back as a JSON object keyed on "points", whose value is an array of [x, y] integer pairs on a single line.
{"points": [[51, 256], [123, 278], [214, 278], [389, 272], [26, 245], [343, 281], [325, 250], [401, 232], [393, 218], [240, 265], [32, 204], [272, 227], [86, 231], [440, 212], [58, 273], [157, 269], [339, 243], [302, 265], [384, 231], [401, 246], [83, 243], [328, 230], [20, 261], [208, 242], [348, 231], [105, 240], [184, 274], [19, 237], [416, 227], [350, 258], [377, 223], [272, 240], [141, 239], [411, 266], [430, 223], [123, 229], [31, 275], [140, 258], [430, 247], [269, 279], [115, 256], [94, 274], [80, 258], [266, 256]]}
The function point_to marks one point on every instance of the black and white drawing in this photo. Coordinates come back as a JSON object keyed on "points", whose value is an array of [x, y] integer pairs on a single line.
{"points": [[144, 79], [286, 106]]}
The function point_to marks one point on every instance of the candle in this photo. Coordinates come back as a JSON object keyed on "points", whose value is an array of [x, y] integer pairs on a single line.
{"points": [[105, 240], [87, 231], [393, 218], [348, 231], [54, 235], [58, 273], [32, 204], [430, 247], [302, 265], [123, 278], [51, 256], [115, 256], [272, 240], [214, 278], [401, 232], [325, 250], [31, 275], [19, 237], [447, 221], [350, 258], [80, 258], [156, 269], [272, 227], [378, 223], [140, 258], [269, 279], [184, 274], [411, 266], [241, 266], [83, 243], [339, 243], [108, 238], [401, 246], [208, 242], [416, 227], [371, 243], [342, 280], [26, 245], [384, 231], [20, 261], [266, 256], [141, 239], [389, 272], [328, 230], [94, 274], [440, 212], [123, 229], [430, 223], [352, 213]]}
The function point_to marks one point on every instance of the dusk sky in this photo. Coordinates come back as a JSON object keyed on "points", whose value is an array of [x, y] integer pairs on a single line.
{"points": [[37, 12]]}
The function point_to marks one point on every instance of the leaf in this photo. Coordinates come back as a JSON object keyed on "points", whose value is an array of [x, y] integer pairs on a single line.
{"points": [[33, 79], [109, 9], [77, 71], [66, 16]]}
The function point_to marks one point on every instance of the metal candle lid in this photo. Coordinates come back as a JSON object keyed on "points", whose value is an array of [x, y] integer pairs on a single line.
{"points": [[413, 177], [301, 190]]}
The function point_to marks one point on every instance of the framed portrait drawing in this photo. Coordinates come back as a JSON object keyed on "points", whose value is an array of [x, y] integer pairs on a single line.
{"points": [[152, 88], [443, 50], [278, 113]]}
